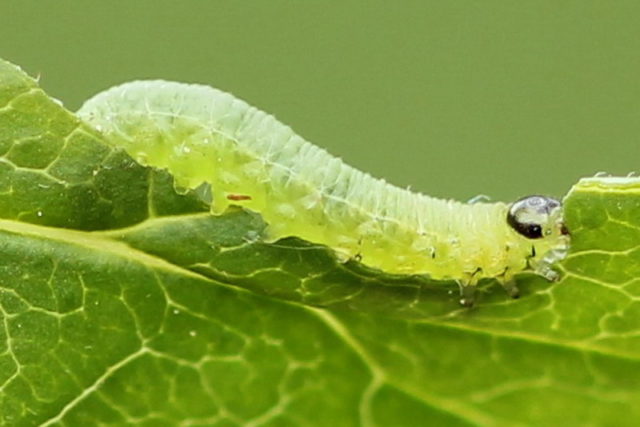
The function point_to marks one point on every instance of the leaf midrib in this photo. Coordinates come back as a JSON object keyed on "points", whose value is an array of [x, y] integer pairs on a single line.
{"points": [[94, 242]]}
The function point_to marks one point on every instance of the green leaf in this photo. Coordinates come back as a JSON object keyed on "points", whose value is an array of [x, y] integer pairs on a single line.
{"points": [[123, 301]]}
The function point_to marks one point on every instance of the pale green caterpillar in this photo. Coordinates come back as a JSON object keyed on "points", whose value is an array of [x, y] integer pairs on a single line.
{"points": [[202, 135]]}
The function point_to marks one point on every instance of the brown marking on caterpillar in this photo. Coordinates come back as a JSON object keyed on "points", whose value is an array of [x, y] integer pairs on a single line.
{"points": [[238, 197]]}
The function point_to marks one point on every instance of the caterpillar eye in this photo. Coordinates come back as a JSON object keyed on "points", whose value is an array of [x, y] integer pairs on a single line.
{"points": [[532, 215], [532, 231]]}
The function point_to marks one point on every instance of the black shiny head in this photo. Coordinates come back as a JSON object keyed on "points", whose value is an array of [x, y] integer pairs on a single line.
{"points": [[534, 216]]}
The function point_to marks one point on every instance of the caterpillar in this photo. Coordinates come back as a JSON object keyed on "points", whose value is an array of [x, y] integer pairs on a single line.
{"points": [[202, 135]]}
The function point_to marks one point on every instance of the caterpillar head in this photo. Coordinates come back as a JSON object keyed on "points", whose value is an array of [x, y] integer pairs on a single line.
{"points": [[539, 220]]}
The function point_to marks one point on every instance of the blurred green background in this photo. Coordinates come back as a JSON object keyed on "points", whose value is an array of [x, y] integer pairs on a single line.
{"points": [[453, 98]]}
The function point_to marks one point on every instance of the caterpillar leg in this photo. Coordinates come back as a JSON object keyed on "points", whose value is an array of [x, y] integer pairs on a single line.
{"points": [[548, 273], [467, 293], [510, 287], [507, 281], [544, 269]]}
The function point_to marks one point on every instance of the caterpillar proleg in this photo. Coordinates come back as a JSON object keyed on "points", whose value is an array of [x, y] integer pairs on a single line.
{"points": [[202, 135]]}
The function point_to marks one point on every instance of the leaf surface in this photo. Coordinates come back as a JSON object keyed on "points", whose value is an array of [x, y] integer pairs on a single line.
{"points": [[123, 301]]}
